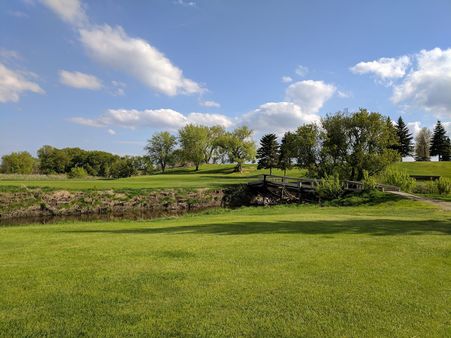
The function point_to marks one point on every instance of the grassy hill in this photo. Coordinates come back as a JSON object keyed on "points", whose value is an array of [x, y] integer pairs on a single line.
{"points": [[281, 271], [426, 168], [209, 176]]}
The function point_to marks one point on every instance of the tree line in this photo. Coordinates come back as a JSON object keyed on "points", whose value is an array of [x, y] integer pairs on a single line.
{"points": [[350, 145], [75, 162], [344, 145]]}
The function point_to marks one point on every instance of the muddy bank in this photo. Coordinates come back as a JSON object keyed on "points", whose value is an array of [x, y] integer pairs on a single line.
{"points": [[35, 203]]}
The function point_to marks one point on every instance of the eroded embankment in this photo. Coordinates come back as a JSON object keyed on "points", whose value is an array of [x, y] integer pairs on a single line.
{"points": [[39, 203]]}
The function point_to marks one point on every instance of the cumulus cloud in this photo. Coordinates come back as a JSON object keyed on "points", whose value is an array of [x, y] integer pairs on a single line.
{"points": [[80, 80], [278, 117], [111, 132], [153, 118], [309, 95], [210, 104], [384, 68], [14, 83], [209, 119], [113, 47], [70, 11], [428, 85]]}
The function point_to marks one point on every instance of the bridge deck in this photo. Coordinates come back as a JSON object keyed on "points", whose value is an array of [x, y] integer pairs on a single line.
{"points": [[309, 184]]}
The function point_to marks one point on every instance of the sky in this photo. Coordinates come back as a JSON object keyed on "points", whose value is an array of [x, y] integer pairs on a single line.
{"points": [[107, 74]]}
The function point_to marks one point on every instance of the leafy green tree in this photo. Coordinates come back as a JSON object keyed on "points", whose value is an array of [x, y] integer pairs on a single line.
{"points": [[422, 145], [335, 145], [123, 167], [212, 150], [371, 137], [160, 148], [439, 141], [308, 147], [268, 153], [239, 146], [194, 142], [405, 144], [52, 160], [287, 151], [18, 163]]}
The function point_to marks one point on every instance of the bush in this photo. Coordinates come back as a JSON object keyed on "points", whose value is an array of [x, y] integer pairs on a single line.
{"points": [[443, 186], [369, 182], [399, 178], [329, 187], [77, 172]]}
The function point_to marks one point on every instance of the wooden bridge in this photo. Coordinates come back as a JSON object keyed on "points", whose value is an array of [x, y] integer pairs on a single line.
{"points": [[309, 185]]}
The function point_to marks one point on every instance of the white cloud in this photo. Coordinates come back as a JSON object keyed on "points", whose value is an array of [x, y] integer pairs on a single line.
{"points": [[210, 104], [111, 132], [118, 88], [428, 85], [277, 117], [301, 70], [79, 80], [287, 79], [9, 54], [152, 118], [384, 68], [309, 95], [70, 11], [14, 83], [114, 48], [344, 94], [414, 127], [209, 119], [185, 3]]}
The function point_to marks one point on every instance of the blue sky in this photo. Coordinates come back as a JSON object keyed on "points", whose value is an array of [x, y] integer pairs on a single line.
{"points": [[107, 74]]}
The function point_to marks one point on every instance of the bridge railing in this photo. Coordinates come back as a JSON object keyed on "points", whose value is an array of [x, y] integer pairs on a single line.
{"points": [[311, 183]]}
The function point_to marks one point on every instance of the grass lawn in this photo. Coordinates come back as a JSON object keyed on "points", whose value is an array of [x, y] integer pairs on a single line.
{"points": [[210, 176], [426, 168], [280, 271]]}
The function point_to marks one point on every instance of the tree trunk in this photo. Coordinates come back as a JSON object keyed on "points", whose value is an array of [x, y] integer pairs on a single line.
{"points": [[197, 167]]}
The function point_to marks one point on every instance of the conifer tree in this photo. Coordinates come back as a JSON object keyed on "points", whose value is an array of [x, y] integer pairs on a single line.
{"points": [[268, 153], [439, 141], [405, 146]]}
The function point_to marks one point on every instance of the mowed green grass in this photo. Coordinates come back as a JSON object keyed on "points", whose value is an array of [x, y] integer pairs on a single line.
{"points": [[210, 176], [426, 168], [280, 271]]}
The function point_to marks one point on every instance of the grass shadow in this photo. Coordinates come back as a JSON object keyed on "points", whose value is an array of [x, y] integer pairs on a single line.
{"points": [[376, 227]]}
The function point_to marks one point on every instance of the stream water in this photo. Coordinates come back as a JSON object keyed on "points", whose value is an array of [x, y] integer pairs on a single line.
{"points": [[113, 216]]}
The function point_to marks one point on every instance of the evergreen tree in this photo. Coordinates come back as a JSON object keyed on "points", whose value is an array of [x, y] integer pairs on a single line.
{"points": [[439, 141], [446, 155], [422, 145], [405, 146], [287, 151], [268, 153]]}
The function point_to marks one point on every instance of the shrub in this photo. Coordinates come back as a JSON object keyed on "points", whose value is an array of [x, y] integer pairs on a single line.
{"points": [[369, 182], [443, 185], [399, 178], [329, 187], [77, 172]]}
